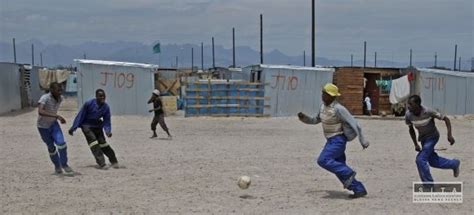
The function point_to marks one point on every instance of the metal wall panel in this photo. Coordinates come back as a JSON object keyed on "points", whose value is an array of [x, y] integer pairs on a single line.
{"points": [[128, 87], [10, 95], [469, 98], [291, 88], [447, 91]]}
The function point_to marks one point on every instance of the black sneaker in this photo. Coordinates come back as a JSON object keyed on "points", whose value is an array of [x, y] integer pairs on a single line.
{"points": [[457, 170], [115, 166], [58, 171], [102, 167], [358, 195], [68, 169]]}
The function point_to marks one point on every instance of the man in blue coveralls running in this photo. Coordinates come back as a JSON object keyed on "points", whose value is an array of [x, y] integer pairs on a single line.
{"points": [[93, 119], [422, 119], [339, 126]]}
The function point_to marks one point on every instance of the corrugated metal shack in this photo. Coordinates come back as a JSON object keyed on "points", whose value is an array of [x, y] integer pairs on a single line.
{"points": [[354, 82], [10, 94], [290, 89], [128, 85], [450, 92], [19, 87]]}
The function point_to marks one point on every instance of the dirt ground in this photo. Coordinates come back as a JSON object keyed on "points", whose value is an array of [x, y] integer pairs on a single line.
{"points": [[197, 171]]}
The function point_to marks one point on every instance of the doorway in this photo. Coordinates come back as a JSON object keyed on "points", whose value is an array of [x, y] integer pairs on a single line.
{"points": [[373, 90]]}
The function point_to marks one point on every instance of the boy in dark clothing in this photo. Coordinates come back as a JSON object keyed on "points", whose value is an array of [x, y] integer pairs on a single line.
{"points": [[159, 114], [93, 119]]}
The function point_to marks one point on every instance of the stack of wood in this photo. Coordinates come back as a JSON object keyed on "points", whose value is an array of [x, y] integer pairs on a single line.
{"points": [[350, 82]]}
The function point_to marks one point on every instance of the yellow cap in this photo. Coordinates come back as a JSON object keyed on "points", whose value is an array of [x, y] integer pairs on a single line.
{"points": [[331, 89]]}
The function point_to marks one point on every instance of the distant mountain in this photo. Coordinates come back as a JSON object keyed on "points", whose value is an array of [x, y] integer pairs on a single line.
{"points": [[59, 54]]}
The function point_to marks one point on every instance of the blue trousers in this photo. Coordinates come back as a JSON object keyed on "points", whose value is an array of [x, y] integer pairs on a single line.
{"points": [[333, 159], [428, 157], [54, 139]]}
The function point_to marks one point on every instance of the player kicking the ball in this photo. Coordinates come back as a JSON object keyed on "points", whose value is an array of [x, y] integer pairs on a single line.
{"points": [[339, 126]]}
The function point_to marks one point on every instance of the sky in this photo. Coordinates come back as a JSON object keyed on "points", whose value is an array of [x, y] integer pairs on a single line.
{"points": [[391, 28]]}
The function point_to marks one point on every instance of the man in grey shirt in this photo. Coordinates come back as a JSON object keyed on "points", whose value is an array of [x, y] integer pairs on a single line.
{"points": [[422, 119], [50, 130]]}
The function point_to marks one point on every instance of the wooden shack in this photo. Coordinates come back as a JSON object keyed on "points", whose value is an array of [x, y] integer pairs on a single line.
{"points": [[354, 82]]}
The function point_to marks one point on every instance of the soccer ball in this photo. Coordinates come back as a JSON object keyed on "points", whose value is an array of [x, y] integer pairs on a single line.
{"points": [[244, 182]]}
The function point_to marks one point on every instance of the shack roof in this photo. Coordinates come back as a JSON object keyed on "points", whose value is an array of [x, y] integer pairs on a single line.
{"points": [[447, 72], [116, 63]]}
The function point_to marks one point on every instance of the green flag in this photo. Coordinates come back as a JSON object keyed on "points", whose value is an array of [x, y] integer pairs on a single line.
{"points": [[156, 48]]}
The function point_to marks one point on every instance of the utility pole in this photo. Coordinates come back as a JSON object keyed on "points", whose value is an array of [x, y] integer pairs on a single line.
{"points": [[14, 51], [233, 47], [472, 64], [192, 60], [32, 55], [455, 56], [261, 38], [365, 54], [313, 35], [202, 56], [213, 57], [375, 61]]}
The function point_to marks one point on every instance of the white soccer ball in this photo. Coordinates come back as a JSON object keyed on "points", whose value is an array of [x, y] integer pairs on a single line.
{"points": [[244, 182]]}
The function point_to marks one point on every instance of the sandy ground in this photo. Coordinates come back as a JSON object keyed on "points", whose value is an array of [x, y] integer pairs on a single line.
{"points": [[197, 171]]}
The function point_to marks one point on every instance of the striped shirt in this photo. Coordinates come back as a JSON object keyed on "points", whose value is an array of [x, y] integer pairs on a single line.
{"points": [[51, 105], [424, 123]]}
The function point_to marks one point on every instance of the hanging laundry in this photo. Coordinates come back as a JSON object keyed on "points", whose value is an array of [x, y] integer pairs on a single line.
{"points": [[47, 77], [386, 85], [400, 90]]}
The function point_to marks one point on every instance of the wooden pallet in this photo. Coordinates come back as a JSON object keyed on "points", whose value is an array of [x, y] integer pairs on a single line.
{"points": [[225, 98]]}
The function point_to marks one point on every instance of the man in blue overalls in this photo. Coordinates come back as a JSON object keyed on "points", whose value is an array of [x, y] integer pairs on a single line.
{"points": [[50, 130], [339, 127], [422, 118]]}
